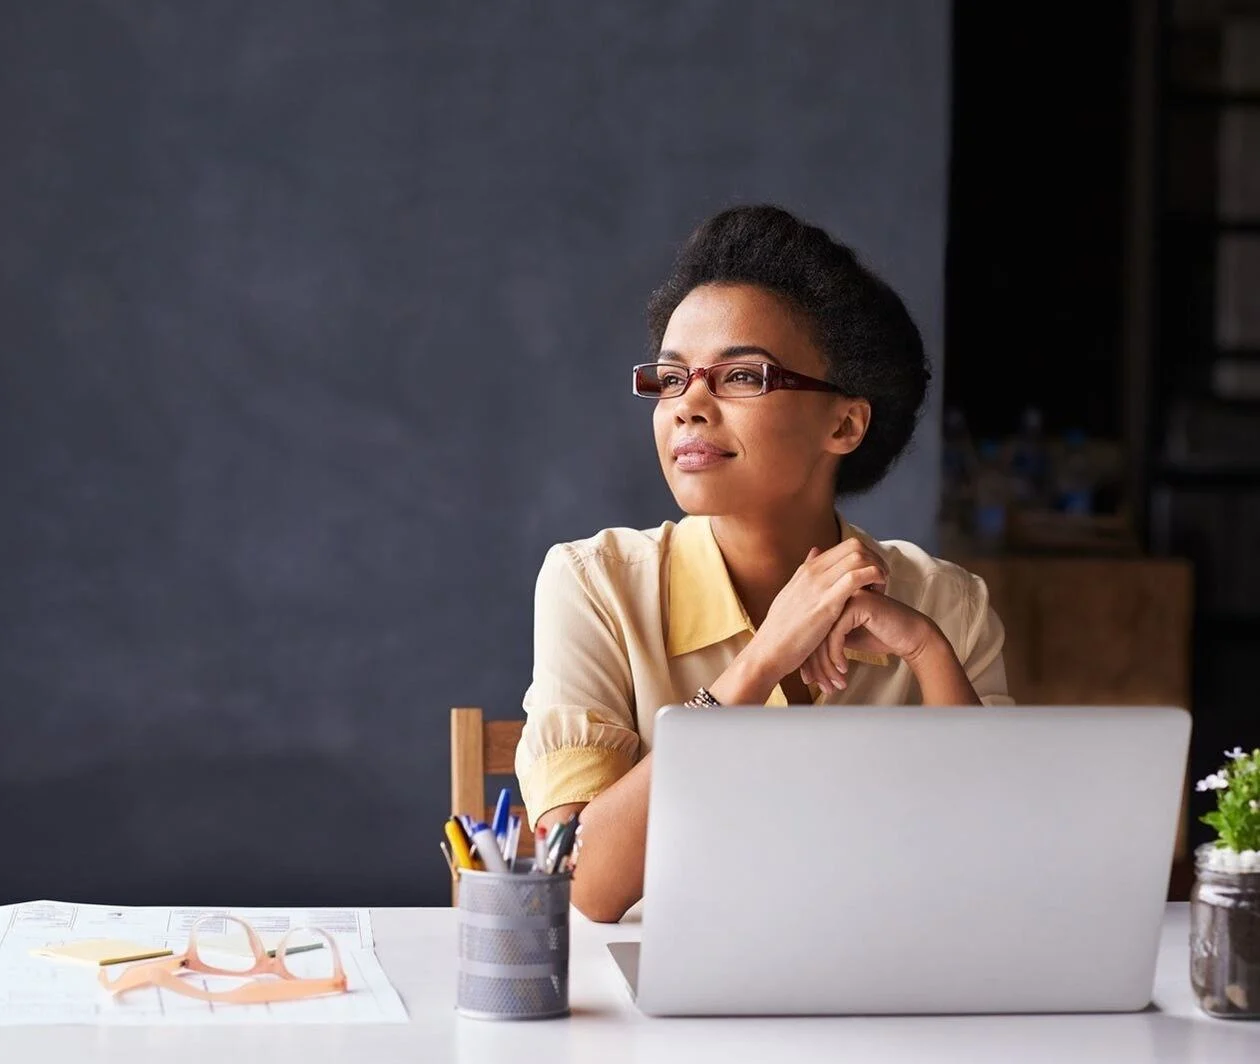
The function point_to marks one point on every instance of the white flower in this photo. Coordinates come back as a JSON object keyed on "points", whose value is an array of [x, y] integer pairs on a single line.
{"points": [[1217, 781], [1237, 753]]}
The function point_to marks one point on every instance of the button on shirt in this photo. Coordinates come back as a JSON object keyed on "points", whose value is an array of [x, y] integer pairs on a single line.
{"points": [[631, 620]]}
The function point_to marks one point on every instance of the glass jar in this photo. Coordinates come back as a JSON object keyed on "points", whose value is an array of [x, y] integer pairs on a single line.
{"points": [[1225, 939]]}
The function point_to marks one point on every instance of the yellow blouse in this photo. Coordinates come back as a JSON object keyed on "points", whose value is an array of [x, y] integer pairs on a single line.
{"points": [[630, 620]]}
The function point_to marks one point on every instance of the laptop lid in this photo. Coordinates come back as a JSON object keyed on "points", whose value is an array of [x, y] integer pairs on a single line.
{"points": [[815, 860]]}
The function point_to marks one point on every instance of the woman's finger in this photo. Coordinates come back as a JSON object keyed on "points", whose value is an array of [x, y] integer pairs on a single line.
{"points": [[834, 644], [811, 670], [819, 671], [843, 549], [855, 580], [835, 676]]}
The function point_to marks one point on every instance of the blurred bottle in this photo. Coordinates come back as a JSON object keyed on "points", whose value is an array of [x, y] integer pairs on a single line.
{"points": [[992, 497], [1030, 464], [1075, 475]]}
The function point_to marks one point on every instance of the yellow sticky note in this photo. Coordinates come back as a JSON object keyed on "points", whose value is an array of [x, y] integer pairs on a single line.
{"points": [[100, 951]]}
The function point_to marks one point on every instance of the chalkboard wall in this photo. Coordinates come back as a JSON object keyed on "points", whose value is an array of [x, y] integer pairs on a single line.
{"points": [[317, 320]]}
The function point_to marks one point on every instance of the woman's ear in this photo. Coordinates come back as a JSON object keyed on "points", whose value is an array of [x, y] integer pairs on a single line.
{"points": [[854, 419]]}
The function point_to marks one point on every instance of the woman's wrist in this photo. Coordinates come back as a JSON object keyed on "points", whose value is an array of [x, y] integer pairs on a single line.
{"points": [[745, 681], [942, 679], [930, 644]]}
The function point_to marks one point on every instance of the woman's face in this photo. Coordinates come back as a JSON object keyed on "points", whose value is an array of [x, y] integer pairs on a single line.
{"points": [[777, 448]]}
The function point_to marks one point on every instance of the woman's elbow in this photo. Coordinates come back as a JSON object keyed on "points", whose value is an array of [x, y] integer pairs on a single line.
{"points": [[599, 910]]}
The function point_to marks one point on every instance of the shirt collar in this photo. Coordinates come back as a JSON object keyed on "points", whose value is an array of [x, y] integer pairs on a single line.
{"points": [[703, 606]]}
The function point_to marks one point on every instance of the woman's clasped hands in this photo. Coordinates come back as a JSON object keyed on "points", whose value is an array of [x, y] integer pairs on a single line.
{"points": [[836, 599]]}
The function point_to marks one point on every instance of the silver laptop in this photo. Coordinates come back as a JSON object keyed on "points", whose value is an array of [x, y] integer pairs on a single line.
{"points": [[906, 860]]}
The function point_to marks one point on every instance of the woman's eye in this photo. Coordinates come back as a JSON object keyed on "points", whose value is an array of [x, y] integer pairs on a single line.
{"points": [[670, 380], [743, 376]]}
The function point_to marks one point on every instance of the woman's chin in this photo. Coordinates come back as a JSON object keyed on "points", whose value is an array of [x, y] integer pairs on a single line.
{"points": [[701, 501]]}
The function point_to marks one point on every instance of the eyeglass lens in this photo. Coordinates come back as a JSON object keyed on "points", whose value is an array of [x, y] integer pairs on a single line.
{"points": [[733, 380]]}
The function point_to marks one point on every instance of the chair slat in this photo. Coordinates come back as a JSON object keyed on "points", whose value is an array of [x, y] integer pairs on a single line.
{"points": [[468, 773], [501, 737]]}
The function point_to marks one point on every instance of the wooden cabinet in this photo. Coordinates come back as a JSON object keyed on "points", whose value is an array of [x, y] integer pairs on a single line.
{"points": [[1093, 631], [1096, 631]]}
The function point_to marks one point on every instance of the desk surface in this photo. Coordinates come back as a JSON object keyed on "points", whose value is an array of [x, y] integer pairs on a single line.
{"points": [[417, 949]]}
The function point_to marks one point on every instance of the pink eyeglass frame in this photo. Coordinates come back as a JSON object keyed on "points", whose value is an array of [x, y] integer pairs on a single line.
{"points": [[773, 378], [165, 971]]}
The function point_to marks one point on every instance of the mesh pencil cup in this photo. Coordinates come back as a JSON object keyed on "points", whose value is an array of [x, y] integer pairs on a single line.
{"points": [[513, 944]]}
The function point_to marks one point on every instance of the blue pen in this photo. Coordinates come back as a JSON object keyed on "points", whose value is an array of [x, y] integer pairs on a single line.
{"points": [[501, 813]]}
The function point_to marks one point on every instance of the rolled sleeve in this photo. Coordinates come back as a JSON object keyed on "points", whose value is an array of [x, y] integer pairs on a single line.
{"points": [[579, 736], [983, 642]]}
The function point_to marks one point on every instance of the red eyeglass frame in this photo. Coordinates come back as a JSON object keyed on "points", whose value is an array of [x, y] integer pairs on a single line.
{"points": [[773, 378]]}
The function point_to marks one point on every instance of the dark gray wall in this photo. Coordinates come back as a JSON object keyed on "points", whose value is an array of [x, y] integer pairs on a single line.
{"points": [[317, 321]]}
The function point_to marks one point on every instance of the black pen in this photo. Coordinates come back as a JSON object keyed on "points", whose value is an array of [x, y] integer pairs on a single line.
{"points": [[562, 845]]}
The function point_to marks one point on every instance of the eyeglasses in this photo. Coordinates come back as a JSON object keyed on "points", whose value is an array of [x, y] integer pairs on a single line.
{"points": [[330, 977], [725, 380]]}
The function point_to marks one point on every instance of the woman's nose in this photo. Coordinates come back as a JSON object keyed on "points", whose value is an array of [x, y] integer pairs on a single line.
{"points": [[695, 399]]}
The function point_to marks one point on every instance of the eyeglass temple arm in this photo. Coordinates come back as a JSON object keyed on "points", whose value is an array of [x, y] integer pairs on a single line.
{"points": [[787, 378], [257, 992], [139, 974]]}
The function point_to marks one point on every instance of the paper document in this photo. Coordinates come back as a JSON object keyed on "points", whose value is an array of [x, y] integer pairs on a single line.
{"points": [[38, 990]]}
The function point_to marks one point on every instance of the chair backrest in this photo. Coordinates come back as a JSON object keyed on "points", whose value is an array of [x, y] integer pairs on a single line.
{"points": [[481, 748]]}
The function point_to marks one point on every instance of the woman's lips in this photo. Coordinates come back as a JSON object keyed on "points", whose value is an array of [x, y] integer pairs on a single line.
{"points": [[692, 461]]}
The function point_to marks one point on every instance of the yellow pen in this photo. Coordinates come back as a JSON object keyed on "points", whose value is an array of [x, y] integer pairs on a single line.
{"points": [[460, 849]]}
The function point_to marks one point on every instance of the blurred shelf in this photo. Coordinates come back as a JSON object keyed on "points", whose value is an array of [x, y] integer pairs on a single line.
{"points": [[1239, 226], [1042, 532], [1201, 98], [1212, 224], [1236, 352], [1189, 15], [1210, 351], [1196, 388], [1050, 534], [1207, 478], [1217, 624]]}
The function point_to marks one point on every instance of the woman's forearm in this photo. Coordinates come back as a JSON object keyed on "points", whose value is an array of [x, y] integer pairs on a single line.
{"points": [[609, 876], [942, 679]]}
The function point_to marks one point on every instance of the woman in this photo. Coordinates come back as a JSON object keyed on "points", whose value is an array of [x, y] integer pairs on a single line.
{"points": [[786, 374]]}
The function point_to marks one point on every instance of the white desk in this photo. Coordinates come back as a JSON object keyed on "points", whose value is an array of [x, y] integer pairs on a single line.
{"points": [[417, 948]]}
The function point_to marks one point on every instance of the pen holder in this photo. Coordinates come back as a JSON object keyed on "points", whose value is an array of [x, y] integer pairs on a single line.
{"points": [[513, 944]]}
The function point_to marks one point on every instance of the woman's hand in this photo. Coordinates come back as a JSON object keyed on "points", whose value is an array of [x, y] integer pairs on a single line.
{"points": [[875, 623], [811, 602]]}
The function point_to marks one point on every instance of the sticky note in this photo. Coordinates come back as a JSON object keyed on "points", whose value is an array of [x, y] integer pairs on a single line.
{"points": [[100, 951]]}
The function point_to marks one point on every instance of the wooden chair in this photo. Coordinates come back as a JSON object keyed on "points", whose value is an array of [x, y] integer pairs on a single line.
{"points": [[481, 748]]}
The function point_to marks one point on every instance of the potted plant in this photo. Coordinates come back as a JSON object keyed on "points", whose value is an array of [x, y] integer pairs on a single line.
{"points": [[1225, 899]]}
